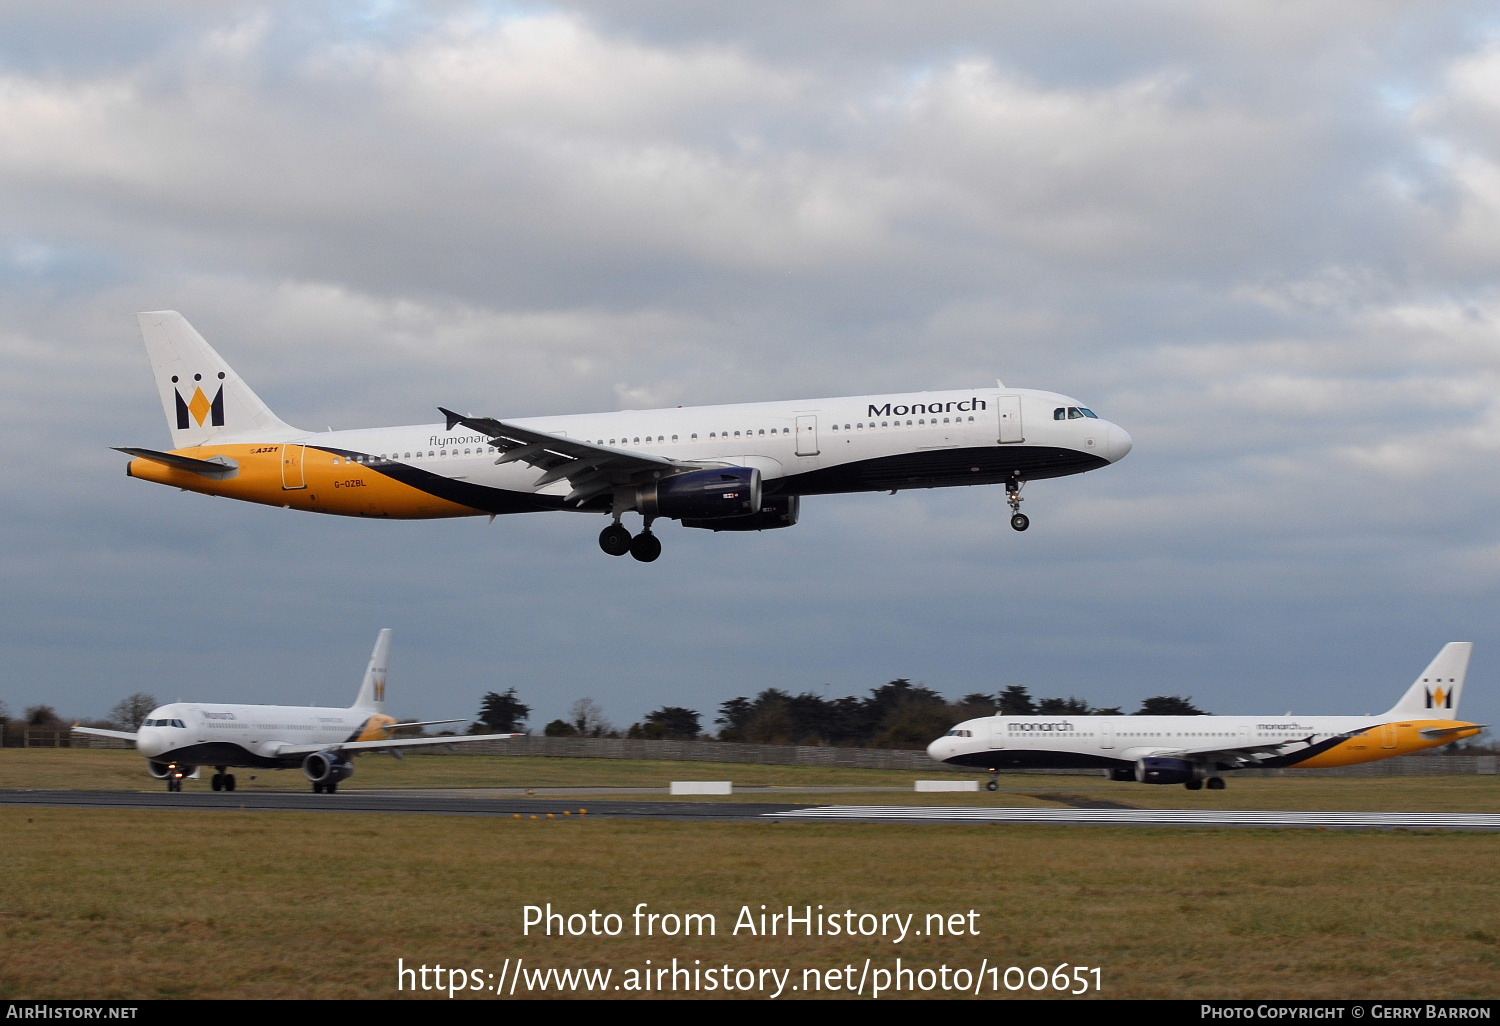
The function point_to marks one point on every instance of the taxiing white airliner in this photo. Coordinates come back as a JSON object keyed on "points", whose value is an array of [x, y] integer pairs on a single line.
{"points": [[177, 738], [722, 468], [1193, 750]]}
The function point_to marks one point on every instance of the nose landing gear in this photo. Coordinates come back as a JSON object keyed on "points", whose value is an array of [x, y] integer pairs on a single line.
{"points": [[1018, 520]]}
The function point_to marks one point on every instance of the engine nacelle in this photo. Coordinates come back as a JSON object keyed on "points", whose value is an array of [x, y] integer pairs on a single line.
{"points": [[327, 767], [167, 770], [1168, 771], [775, 511], [703, 495]]}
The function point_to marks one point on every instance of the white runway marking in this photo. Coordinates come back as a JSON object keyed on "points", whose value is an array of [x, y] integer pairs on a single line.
{"points": [[1152, 817]]}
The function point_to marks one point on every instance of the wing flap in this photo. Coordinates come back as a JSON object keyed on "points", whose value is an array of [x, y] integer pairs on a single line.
{"points": [[590, 469]]}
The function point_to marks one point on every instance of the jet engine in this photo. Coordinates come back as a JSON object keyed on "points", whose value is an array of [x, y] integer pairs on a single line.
{"points": [[703, 495], [165, 770], [775, 511], [1168, 771], [327, 767]]}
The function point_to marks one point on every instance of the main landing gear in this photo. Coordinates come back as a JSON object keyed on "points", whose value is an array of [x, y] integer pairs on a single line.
{"points": [[616, 540], [1214, 784], [221, 781], [1018, 520]]}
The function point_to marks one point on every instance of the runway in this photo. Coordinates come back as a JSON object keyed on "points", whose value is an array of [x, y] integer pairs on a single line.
{"points": [[583, 807]]}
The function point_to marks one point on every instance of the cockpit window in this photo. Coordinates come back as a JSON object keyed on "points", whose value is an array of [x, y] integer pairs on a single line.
{"points": [[1088, 412], [1073, 413]]}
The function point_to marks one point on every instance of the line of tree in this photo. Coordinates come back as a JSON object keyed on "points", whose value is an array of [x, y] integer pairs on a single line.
{"points": [[898, 714]]}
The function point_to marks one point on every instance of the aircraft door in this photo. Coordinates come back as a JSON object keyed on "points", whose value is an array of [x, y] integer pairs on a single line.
{"points": [[1388, 735], [1008, 409], [1106, 734], [291, 466], [807, 434], [997, 735]]}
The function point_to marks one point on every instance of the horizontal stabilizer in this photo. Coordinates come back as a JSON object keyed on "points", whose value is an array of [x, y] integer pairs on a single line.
{"points": [[217, 467], [1436, 733]]}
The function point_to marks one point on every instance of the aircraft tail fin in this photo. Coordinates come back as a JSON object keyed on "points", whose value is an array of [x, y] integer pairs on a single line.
{"points": [[372, 689], [1435, 694], [204, 399]]}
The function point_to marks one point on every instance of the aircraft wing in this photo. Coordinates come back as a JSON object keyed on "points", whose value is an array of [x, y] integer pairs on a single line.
{"points": [[1241, 757], [123, 735], [399, 742], [591, 469]]}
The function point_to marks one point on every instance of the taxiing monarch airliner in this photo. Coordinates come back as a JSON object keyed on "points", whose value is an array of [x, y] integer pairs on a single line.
{"points": [[177, 738], [1193, 750], [722, 468]]}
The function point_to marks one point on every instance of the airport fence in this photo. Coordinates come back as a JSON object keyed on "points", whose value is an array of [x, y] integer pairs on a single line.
{"points": [[538, 746]]}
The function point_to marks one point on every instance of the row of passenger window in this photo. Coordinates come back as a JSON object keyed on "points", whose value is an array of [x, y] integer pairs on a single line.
{"points": [[921, 422], [435, 453]]}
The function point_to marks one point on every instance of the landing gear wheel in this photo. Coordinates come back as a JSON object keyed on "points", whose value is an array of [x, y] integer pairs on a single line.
{"points": [[317, 787], [216, 782], [1215, 783], [1013, 488], [615, 540], [331, 787], [1194, 785], [993, 785], [229, 781], [174, 784], [645, 547]]}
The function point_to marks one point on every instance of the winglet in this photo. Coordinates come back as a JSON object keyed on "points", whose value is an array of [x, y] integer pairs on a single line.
{"points": [[453, 418]]}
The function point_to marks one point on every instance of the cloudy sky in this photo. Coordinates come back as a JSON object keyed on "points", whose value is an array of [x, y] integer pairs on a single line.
{"points": [[1263, 237]]}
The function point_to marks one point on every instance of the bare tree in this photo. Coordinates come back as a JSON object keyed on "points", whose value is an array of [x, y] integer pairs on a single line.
{"points": [[132, 710], [588, 719]]}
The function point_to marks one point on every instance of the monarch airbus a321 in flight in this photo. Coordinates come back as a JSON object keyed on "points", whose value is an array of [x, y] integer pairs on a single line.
{"points": [[722, 468], [1193, 750]]}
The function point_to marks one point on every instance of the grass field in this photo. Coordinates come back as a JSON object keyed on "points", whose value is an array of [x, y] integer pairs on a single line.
{"points": [[260, 905], [158, 904]]}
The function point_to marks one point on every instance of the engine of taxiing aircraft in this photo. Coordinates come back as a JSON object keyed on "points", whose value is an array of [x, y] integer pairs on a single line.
{"points": [[165, 770], [327, 767], [1168, 771]]}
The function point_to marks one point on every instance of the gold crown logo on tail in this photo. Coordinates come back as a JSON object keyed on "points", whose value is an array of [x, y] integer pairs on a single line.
{"points": [[200, 408]]}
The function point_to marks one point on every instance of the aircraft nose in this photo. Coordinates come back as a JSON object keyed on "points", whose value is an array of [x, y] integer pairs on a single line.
{"points": [[938, 750], [1117, 444], [148, 742]]}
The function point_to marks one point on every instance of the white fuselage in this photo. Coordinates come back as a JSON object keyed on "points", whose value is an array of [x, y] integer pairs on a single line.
{"points": [[1216, 742], [249, 735]]}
